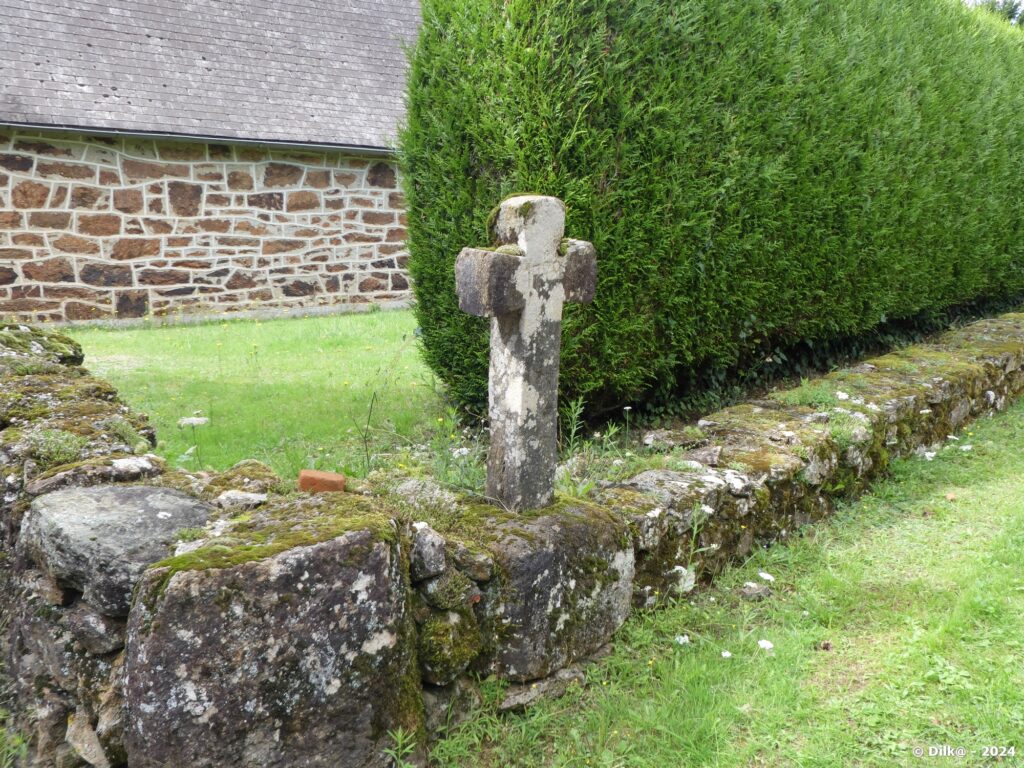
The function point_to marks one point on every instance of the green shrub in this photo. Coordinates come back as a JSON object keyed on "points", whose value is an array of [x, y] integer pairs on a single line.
{"points": [[754, 173]]}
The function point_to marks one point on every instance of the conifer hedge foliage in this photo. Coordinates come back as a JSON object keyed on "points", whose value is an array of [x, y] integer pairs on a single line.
{"points": [[753, 173]]}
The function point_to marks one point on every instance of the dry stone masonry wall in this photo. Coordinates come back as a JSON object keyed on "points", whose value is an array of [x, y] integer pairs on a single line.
{"points": [[154, 617], [98, 227]]}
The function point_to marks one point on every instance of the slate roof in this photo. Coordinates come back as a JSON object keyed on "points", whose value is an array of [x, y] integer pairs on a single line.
{"points": [[297, 71]]}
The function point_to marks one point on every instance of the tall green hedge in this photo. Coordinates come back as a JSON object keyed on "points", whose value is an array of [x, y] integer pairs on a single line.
{"points": [[754, 173]]}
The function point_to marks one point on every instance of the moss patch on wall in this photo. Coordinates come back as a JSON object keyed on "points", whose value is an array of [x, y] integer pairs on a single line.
{"points": [[284, 525]]}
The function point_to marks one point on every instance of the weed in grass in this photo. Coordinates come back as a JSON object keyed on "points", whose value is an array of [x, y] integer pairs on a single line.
{"points": [[815, 393], [404, 746], [364, 432], [692, 435], [192, 424], [191, 534], [738, 466], [845, 429], [457, 458], [572, 426], [123, 430], [699, 516], [625, 416], [569, 486]]}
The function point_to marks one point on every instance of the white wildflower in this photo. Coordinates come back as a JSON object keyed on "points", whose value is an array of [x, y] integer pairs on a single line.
{"points": [[193, 421], [966, 448], [766, 576], [682, 639], [726, 655], [929, 455], [765, 645], [460, 452]]}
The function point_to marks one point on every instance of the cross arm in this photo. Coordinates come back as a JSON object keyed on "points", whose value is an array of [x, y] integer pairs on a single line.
{"points": [[580, 271], [486, 282]]}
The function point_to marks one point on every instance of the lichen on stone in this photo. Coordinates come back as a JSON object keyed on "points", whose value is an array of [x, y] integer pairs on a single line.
{"points": [[248, 475], [286, 524]]}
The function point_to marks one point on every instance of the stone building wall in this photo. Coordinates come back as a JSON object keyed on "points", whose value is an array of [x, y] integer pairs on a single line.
{"points": [[110, 227]]}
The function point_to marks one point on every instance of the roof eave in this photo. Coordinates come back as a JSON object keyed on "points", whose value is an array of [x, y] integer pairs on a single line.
{"points": [[356, 149]]}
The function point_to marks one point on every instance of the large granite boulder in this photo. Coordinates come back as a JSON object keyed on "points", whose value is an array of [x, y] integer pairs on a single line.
{"points": [[563, 586], [267, 647], [99, 540]]}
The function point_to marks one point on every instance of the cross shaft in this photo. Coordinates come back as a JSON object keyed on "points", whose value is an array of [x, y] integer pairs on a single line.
{"points": [[522, 286]]}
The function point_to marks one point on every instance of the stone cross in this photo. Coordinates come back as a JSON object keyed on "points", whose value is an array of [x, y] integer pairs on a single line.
{"points": [[522, 285]]}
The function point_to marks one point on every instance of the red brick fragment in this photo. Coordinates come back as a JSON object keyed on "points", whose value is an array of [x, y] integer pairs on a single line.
{"points": [[315, 481]]}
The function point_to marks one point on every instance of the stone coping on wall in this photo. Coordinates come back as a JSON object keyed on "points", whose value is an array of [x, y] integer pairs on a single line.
{"points": [[287, 629]]}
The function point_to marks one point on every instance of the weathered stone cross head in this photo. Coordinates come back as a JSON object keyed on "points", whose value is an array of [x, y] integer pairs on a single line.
{"points": [[522, 286]]}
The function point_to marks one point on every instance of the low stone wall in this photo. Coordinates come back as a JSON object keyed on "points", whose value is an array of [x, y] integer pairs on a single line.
{"points": [[97, 227], [156, 618]]}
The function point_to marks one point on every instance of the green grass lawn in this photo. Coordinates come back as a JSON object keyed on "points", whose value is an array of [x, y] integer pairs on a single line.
{"points": [[898, 625], [294, 393]]}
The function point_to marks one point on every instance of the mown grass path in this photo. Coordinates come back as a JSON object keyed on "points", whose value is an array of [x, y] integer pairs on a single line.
{"points": [[897, 626], [295, 393]]}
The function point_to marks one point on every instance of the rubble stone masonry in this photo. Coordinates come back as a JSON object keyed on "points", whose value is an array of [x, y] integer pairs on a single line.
{"points": [[109, 227]]}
